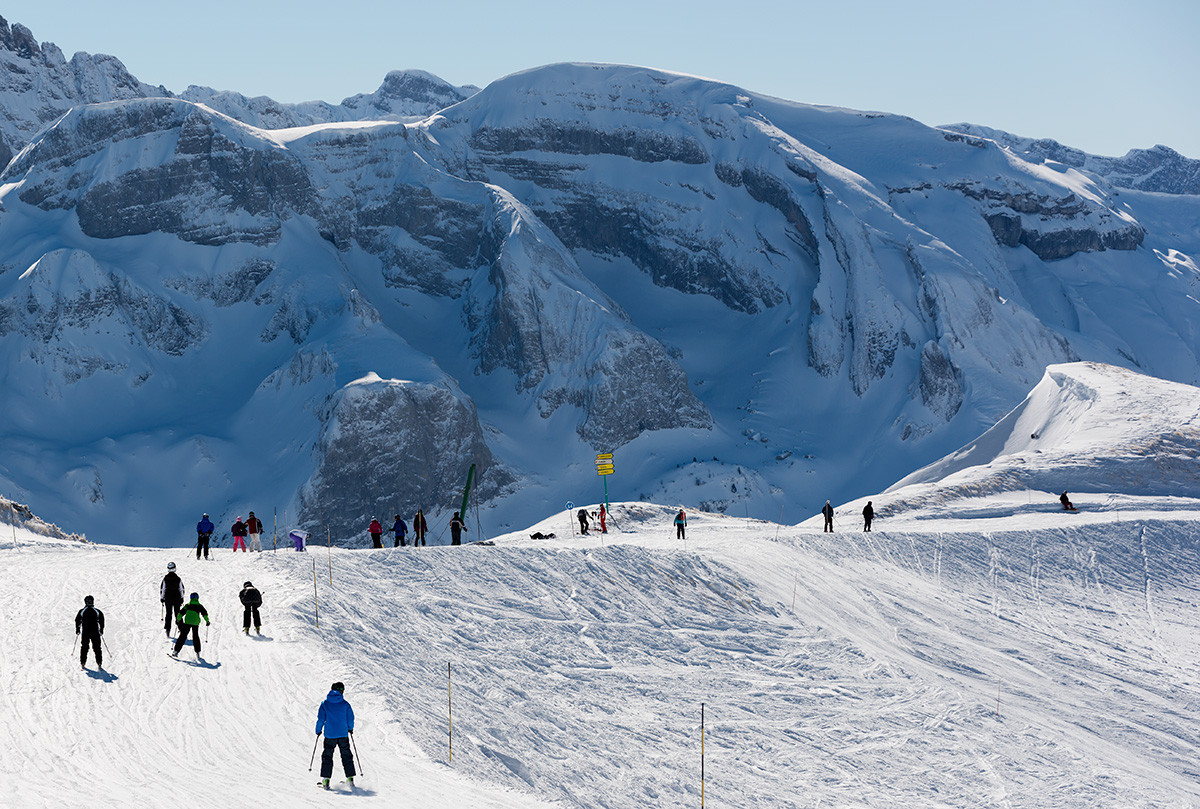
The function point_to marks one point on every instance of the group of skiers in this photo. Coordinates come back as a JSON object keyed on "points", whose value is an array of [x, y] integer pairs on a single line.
{"points": [[868, 514], [252, 527], [187, 616]]}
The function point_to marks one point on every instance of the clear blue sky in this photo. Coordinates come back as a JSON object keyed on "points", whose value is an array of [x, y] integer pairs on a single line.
{"points": [[1101, 75]]}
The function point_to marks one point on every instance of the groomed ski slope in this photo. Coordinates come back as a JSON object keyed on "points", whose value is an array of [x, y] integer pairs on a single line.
{"points": [[579, 666]]}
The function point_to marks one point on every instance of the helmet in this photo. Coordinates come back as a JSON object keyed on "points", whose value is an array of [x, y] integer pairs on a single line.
{"points": [[251, 513], [239, 519], [337, 687], [170, 565], [247, 584], [205, 516], [88, 599], [194, 596]]}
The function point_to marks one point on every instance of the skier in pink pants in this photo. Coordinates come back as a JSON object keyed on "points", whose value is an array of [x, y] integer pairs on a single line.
{"points": [[239, 534]]}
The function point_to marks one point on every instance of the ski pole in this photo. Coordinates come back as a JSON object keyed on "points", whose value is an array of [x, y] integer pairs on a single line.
{"points": [[356, 755], [313, 757]]}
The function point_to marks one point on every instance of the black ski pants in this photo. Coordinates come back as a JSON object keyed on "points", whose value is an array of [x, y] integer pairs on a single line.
{"points": [[400, 542], [679, 530], [171, 608], [828, 524], [94, 640], [375, 541], [202, 544], [343, 744], [866, 523], [251, 612], [419, 538], [181, 641]]}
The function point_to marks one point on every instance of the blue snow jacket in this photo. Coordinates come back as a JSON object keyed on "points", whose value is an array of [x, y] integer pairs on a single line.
{"points": [[205, 527], [400, 529], [335, 716]]}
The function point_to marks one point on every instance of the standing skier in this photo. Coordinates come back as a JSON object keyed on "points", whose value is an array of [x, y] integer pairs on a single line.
{"points": [[254, 527], [420, 528], [399, 529], [204, 530], [868, 515], [89, 624], [583, 520], [680, 525], [376, 531], [828, 512], [171, 595], [239, 532], [457, 526], [189, 621], [336, 718], [251, 599], [603, 514]]}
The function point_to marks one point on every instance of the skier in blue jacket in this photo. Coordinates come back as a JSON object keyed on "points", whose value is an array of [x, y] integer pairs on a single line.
{"points": [[399, 529], [204, 530], [336, 718]]}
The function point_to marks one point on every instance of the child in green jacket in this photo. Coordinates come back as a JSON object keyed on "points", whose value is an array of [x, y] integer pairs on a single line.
{"points": [[189, 620]]}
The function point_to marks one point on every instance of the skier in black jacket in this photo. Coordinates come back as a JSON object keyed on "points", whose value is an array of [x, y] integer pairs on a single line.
{"points": [[170, 593], [251, 599], [89, 623], [457, 526], [868, 515], [828, 512]]}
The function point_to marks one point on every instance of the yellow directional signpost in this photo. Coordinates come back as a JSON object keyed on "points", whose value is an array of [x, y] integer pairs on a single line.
{"points": [[604, 467]]}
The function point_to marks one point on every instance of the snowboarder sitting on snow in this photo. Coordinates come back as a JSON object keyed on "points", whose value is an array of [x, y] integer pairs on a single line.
{"points": [[204, 530], [868, 515], [171, 595], [239, 532], [336, 718], [254, 528], [251, 599], [189, 620], [376, 531], [1066, 502], [399, 529], [583, 521], [457, 526], [540, 535], [828, 512], [89, 623], [680, 524]]}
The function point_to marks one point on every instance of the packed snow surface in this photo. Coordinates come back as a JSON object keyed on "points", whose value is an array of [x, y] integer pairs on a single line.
{"points": [[1050, 663]]}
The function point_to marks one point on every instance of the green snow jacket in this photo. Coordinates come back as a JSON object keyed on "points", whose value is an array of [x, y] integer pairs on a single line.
{"points": [[191, 613]]}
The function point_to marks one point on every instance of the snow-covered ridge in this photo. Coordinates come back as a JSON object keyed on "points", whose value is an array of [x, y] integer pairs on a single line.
{"points": [[1085, 428]]}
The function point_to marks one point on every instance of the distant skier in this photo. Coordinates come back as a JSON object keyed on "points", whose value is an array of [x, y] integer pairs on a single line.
{"points": [[828, 512], [583, 520], [376, 531], [1066, 502], [170, 593], [335, 718], [399, 530], [89, 624], [204, 530], [457, 526], [251, 599], [189, 621], [680, 525], [603, 514], [254, 527], [239, 532], [868, 515], [420, 528]]}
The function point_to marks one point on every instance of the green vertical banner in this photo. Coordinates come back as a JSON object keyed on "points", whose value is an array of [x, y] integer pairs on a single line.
{"points": [[467, 492]]}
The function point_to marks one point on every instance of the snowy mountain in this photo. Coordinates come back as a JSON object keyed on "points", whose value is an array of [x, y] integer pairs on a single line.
{"points": [[1160, 169], [977, 648], [752, 302]]}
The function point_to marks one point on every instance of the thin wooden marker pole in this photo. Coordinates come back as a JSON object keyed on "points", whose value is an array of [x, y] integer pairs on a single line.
{"points": [[449, 713], [275, 535], [795, 581], [702, 755], [329, 548], [316, 610], [998, 699], [779, 524]]}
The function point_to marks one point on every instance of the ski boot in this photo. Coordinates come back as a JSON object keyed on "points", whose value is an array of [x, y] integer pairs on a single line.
{"points": [[246, 631], [323, 783], [258, 630]]}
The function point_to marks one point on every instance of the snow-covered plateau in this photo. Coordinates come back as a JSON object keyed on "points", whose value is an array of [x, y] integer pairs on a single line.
{"points": [[980, 647]]}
